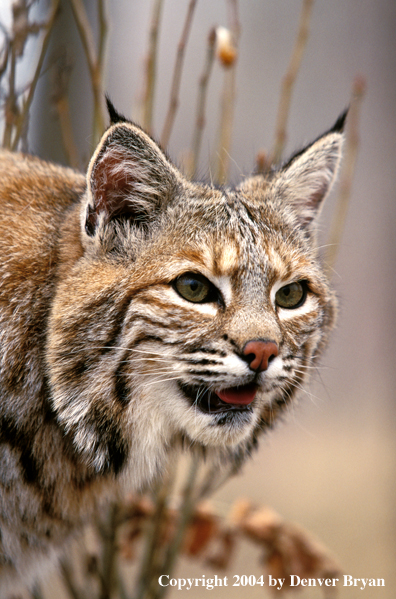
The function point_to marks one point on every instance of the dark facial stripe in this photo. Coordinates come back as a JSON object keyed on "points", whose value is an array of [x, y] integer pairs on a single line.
{"points": [[118, 325], [198, 362], [204, 350], [109, 442], [16, 437], [121, 387]]}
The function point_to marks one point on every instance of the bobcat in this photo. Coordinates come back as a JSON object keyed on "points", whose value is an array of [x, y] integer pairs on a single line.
{"points": [[139, 310]]}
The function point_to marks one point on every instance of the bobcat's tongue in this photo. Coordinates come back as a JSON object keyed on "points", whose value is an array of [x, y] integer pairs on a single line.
{"points": [[239, 396]]}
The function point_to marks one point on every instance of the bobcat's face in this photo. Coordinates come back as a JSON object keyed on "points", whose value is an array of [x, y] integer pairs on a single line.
{"points": [[193, 312], [230, 333]]}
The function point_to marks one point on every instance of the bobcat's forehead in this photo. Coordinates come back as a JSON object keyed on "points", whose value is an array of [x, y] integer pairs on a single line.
{"points": [[225, 258], [236, 241], [218, 255]]}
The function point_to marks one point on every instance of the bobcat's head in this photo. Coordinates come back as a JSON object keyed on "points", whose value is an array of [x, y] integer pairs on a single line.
{"points": [[193, 312]]}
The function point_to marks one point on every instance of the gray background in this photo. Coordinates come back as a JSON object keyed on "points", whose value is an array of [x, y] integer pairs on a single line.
{"points": [[331, 466]]}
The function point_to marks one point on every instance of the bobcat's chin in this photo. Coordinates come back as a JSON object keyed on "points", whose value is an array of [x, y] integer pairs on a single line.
{"points": [[209, 420]]}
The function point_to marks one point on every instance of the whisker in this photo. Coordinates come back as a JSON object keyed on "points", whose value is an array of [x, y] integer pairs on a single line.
{"points": [[145, 360], [314, 398], [314, 367], [146, 374], [173, 378]]}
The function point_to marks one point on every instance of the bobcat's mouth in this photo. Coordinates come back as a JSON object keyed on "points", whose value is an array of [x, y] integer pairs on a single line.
{"points": [[225, 400]]}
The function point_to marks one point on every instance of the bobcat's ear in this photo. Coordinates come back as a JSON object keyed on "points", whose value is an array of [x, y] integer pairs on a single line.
{"points": [[129, 177], [308, 176]]}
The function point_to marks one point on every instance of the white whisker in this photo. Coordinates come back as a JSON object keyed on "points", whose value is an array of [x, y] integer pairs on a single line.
{"points": [[173, 378], [147, 374]]}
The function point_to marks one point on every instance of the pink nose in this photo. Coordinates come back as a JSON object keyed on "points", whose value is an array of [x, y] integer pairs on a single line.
{"points": [[260, 353]]}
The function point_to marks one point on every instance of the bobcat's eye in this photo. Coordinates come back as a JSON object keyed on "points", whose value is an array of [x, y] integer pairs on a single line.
{"points": [[195, 288], [291, 296]]}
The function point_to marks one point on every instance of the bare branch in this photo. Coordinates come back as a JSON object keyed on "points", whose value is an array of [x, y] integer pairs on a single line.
{"points": [[67, 576], [347, 173], [103, 29], [109, 549], [32, 88], [228, 96], [22, 28], [289, 80], [11, 107], [227, 115], [154, 533], [201, 104], [151, 66], [233, 19], [174, 96], [62, 75], [4, 52], [187, 507], [94, 65]]}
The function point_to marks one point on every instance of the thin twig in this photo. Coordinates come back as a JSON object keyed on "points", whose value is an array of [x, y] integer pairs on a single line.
{"points": [[177, 72], [201, 104], [67, 576], [349, 162], [94, 66], [63, 110], [214, 479], [32, 88], [227, 115], [233, 19], [289, 80], [4, 52], [154, 532], [11, 109], [36, 592], [103, 29], [20, 29], [187, 508], [109, 549], [228, 100], [121, 587], [61, 81], [151, 67]]}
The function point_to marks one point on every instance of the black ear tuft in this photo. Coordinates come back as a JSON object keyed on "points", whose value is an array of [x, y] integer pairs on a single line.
{"points": [[339, 125], [115, 117], [304, 182]]}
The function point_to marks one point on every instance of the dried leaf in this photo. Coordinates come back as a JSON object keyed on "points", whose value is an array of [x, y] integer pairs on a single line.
{"points": [[135, 513], [239, 510], [289, 549], [202, 529], [138, 506], [262, 525], [295, 551], [227, 541]]}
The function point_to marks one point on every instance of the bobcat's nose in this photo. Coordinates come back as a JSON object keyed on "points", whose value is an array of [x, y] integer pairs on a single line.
{"points": [[259, 354]]}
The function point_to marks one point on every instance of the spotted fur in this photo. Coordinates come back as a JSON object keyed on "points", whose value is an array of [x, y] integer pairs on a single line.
{"points": [[105, 367]]}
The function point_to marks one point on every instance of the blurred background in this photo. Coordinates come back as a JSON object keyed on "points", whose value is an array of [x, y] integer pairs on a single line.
{"points": [[330, 465]]}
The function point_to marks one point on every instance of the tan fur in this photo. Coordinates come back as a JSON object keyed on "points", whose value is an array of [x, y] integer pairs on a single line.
{"points": [[96, 340]]}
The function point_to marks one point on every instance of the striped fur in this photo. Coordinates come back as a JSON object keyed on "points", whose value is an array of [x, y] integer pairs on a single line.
{"points": [[105, 367]]}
